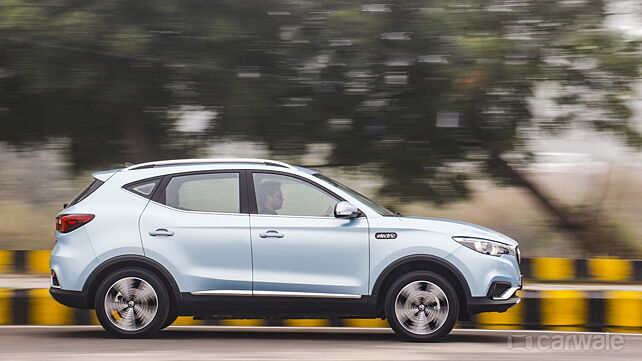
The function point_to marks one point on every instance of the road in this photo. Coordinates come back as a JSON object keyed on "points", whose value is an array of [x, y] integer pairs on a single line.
{"points": [[262, 343]]}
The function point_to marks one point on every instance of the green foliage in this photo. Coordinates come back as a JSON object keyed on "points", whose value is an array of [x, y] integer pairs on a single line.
{"points": [[424, 85]]}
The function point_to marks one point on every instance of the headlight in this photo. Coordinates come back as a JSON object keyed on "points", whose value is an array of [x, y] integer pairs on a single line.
{"points": [[485, 246]]}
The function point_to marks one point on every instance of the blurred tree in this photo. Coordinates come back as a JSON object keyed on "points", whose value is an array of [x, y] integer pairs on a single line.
{"points": [[428, 92]]}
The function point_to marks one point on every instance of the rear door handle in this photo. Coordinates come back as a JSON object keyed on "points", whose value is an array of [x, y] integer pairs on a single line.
{"points": [[271, 234], [161, 232]]}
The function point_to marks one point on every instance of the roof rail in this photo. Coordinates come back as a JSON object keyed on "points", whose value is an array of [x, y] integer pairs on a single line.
{"points": [[209, 160]]}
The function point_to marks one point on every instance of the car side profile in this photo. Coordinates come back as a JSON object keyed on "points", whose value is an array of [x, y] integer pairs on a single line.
{"points": [[254, 238]]}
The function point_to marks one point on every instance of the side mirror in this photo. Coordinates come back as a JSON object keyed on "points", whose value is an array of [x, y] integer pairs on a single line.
{"points": [[345, 209]]}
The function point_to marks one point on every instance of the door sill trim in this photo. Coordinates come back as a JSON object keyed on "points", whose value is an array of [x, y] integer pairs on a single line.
{"points": [[222, 293], [272, 294], [303, 294]]}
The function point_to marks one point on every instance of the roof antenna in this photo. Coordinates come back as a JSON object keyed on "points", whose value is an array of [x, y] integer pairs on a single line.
{"points": [[128, 164]]}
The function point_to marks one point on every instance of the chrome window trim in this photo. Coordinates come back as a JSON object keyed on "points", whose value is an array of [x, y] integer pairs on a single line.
{"points": [[245, 214], [291, 216]]}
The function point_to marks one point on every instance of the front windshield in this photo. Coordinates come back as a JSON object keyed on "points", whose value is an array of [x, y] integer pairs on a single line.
{"points": [[363, 199]]}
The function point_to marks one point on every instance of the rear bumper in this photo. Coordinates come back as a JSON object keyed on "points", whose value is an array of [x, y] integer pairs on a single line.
{"points": [[76, 299], [485, 304]]}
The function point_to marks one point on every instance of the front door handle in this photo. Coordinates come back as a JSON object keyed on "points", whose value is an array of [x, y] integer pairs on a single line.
{"points": [[161, 232], [271, 234]]}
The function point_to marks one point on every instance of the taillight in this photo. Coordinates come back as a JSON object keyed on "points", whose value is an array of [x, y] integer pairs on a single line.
{"points": [[68, 222]]}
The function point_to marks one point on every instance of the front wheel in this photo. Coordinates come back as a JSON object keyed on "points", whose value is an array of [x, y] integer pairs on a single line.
{"points": [[421, 306], [132, 303]]}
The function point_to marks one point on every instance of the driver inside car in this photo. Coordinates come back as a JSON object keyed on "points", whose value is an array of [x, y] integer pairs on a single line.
{"points": [[270, 197]]}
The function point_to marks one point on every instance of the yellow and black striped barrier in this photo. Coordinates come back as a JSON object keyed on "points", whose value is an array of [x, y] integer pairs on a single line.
{"points": [[33, 262], [581, 270], [533, 269], [568, 310]]}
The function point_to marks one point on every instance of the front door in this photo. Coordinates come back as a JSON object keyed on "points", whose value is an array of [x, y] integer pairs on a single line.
{"points": [[299, 248], [196, 229]]}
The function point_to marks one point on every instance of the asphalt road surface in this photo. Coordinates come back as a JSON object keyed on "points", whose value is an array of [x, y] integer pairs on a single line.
{"points": [[262, 343]]}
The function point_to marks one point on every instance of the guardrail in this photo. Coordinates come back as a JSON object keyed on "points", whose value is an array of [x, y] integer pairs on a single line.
{"points": [[565, 310], [581, 270], [533, 269], [33, 262]]}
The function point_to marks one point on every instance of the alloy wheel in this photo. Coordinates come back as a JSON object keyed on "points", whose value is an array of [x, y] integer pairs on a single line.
{"points": [[421, 307], [131, 303]]}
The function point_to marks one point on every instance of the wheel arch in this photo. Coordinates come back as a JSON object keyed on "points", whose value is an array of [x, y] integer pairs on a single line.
{"points": [[421, 263], [119, 262]]}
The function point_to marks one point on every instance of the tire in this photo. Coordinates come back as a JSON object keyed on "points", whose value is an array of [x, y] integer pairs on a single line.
{"points": [[171, 317], [132, 303], [421, 306]]}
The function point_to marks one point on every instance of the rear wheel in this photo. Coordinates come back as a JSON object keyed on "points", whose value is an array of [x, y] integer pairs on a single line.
{"points": [[422, 306], [132, 303]]}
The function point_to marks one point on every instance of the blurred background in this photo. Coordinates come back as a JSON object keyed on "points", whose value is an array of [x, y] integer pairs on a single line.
{"points": [[521, 115]]}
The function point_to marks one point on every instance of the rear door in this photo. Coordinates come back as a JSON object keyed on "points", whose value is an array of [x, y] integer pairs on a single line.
{"points": [[197, 226]]}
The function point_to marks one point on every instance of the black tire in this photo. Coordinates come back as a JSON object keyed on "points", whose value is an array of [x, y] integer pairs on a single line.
{"points": [[171, 317], [436, 312], [151, 322]]}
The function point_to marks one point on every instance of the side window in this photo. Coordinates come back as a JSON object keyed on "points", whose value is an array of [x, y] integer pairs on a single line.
{"points": [[284, 195], [143, 188], [213, 192]]}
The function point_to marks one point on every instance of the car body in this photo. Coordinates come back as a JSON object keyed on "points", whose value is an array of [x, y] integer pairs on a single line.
{"points": [[253, 238]]}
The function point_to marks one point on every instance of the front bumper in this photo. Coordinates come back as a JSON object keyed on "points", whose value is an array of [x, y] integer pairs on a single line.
{"points": [[492, 303], [484, 304], [76, 299]]}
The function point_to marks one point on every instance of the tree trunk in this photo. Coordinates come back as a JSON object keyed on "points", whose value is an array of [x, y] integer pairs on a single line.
{"points": [[596, 236]]}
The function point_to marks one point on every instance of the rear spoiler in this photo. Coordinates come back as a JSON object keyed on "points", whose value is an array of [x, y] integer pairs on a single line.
{"points": [[106, 174]]}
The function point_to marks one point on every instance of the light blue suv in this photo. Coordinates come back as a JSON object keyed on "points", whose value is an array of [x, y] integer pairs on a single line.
{"points": [[253, 238]]}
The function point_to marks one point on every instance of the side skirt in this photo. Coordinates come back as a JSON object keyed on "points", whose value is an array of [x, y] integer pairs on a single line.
{"points": [[222, 307]]}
